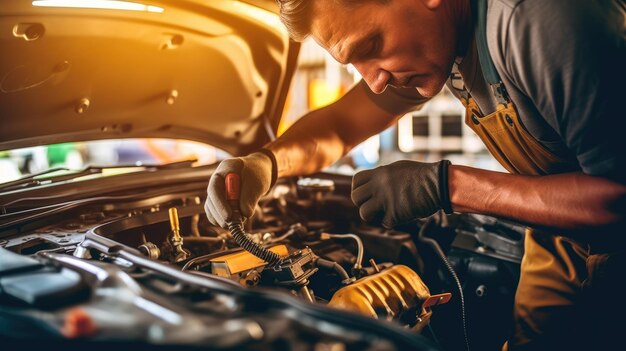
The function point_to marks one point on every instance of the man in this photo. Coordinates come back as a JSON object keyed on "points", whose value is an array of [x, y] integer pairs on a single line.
{"points": [[542, 82]]}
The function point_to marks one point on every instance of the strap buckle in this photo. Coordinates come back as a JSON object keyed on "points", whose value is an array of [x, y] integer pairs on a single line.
{"points": [[456, 81], [499, 92]]}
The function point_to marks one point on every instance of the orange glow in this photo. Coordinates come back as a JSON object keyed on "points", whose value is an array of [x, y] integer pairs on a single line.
{"points": [[258, 14], [98, 4], [284, 123], [322, 94]]}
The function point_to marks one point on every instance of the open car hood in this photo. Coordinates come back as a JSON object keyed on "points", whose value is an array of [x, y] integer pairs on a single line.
{"points": [[211, 71]]}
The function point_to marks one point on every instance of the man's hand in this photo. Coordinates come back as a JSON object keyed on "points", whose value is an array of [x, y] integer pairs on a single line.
{"points": [[400, 192], [255, 172]]}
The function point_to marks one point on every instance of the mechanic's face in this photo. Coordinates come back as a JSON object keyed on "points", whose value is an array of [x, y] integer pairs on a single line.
{"points": [[404, 43]]}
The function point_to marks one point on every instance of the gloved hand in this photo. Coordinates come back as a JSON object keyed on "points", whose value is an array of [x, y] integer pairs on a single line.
{"points": [[255, 173], [401, 192]]}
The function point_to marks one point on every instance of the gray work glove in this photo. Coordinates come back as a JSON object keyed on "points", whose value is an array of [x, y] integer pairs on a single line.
{"points": [[401, 192], [255, 173]]}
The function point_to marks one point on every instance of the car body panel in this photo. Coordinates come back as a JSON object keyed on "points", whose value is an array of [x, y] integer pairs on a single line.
{"points": [[210, 71]]}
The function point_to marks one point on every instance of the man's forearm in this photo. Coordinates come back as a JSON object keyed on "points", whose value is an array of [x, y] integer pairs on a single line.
{"points": [[322, 136], [571, 202], [308, 146]]}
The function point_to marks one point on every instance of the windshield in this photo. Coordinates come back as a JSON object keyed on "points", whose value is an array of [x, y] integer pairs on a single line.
{"points": [[15, 164]]}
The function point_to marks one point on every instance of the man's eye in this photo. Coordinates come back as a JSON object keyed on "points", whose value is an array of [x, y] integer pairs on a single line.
{"points": [[372, 47], [368, 48]]}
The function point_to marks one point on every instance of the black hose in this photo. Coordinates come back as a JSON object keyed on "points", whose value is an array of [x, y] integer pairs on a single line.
{"points": [[435, 246], [236, 229], [336, 266]]}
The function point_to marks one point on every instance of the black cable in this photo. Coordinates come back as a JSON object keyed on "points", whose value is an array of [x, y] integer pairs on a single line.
{"points": [[236, 229], [435, 246]]}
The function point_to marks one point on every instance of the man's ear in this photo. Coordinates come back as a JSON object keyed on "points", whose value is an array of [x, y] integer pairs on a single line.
{"points": [[431, 4]]}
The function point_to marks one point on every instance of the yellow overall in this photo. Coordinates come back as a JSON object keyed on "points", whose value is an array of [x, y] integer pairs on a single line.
{"points": [[571, 295], [555, 302]]}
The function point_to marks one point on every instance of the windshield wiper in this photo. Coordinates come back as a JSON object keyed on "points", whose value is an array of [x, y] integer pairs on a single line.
{"points": [[36, 179], [29, 178]]}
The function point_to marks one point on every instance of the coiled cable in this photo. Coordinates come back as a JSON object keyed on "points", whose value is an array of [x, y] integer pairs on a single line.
{"points": [[236, 229], [235, 225]]}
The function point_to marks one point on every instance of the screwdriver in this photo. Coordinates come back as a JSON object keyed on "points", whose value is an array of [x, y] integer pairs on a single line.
{"points": [[233, 191]]}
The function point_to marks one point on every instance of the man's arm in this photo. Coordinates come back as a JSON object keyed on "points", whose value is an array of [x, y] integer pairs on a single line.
{"points": [[315, 141], [571, 202], [321, 137], [564, 56]]}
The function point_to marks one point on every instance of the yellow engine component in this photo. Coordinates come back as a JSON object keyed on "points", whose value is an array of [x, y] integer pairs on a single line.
{"points": [[238, 262], [388, 294]]}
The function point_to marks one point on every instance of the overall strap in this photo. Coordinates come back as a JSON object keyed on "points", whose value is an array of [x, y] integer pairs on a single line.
{"points": [[479, 9]]}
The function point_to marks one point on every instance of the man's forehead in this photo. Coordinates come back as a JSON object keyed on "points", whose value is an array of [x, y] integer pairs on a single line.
{"points": [[326, 21], [334, 30]]}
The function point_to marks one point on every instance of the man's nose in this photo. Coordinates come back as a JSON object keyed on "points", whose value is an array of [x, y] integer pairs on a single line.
{"points": [[377, 79]]}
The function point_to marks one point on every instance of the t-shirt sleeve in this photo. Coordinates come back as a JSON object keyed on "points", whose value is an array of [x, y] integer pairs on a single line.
{"points": [[568, 57], [394, 100]]}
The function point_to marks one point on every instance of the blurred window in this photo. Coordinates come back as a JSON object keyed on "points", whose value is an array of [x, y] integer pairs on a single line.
{"points": [[420, 126], [451, 125], [105, 153]]}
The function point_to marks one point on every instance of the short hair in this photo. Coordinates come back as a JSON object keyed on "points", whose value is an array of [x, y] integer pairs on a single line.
{"points": [[297, 15]]}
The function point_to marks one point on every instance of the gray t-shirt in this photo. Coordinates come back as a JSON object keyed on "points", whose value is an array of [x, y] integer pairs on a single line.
{"points": [[563, 65]]}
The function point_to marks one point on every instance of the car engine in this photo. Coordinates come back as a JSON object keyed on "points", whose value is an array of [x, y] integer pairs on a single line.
{"points": [[148, 267]]}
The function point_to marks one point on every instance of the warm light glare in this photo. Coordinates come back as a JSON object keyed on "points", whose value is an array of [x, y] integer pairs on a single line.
{"points": [[322, 94], [269, 18], [405, 133], [99, 4]]}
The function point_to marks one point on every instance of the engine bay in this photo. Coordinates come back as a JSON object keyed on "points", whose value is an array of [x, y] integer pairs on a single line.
{"points": [[153, 269]]}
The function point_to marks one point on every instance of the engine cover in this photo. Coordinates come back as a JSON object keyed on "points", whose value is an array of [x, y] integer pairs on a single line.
{"points": [[394, 293]]}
